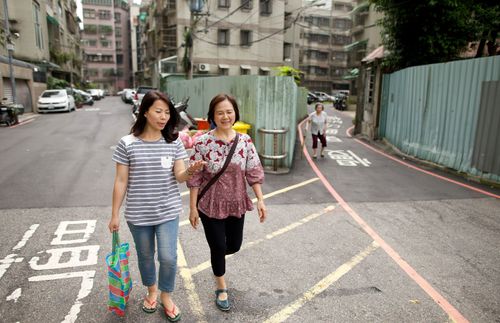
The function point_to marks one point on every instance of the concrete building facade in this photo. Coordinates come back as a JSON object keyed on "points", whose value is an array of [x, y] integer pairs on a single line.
{"points": [[106, 43]]}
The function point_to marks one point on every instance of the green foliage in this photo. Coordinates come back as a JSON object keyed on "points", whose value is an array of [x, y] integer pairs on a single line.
{"points": [[55, 83], [418, 32], [289, 71]]}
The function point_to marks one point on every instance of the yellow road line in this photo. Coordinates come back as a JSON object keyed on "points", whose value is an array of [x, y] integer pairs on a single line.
{"points": [[206, 264], [321, 285], [185, 273], [283, 190]]}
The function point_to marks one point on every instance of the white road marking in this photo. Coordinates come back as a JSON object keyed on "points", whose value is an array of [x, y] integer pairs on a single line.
{"points": [[74, 261], [27, 235], [62, 230], [14, 296]]}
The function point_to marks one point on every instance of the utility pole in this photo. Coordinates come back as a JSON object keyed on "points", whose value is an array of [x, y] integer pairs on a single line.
{"points": [[10, 49]]}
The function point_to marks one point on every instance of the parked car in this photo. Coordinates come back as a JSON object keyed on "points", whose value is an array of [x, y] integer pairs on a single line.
{"points": [[311, 98], [56, 100], [322, 96], [139, 94], [127, 95], [86, 97], [96, 95]]}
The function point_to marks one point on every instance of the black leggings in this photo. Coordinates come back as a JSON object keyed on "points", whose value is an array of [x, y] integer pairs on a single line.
{"points": [[224, 237]]}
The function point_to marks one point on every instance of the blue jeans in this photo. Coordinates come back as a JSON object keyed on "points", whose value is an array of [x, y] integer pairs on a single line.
{"points": [[166, 237]]}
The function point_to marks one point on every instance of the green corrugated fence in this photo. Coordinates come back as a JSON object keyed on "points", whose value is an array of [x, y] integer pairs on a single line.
{"points": [[433, 112]]}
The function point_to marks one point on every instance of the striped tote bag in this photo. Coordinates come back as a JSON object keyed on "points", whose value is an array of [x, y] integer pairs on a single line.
{"points": [[120, 283]]}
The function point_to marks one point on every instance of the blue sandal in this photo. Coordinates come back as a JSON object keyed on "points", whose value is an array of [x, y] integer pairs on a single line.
{"points": [[222, 305]]}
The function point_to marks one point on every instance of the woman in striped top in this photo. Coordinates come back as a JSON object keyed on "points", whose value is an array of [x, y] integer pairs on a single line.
{"points": [[149, 163]]}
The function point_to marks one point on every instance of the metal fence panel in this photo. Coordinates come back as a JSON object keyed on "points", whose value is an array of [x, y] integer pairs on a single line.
{"points": [[486, 155], [432, 111]]}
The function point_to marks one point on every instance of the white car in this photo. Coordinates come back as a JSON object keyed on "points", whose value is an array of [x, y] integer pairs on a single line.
{"points": [[56, 100]]}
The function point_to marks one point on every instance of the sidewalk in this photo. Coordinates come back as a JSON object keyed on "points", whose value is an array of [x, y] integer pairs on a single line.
{"points": [[27, 117]]}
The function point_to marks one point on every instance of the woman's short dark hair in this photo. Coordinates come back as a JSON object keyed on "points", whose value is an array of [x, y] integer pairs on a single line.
{"points": [[169, 132], [319, 105], [218, 99]]}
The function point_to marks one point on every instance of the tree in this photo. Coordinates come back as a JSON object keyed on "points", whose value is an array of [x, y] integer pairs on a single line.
{"points": [[487, 17], [289, 71], [417, 32]]}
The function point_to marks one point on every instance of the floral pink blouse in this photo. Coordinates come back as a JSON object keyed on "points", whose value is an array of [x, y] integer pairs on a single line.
{"points": [[228, 195]]}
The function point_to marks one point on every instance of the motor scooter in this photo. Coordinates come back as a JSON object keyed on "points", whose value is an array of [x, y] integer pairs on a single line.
{"points": [[9, 113], [186, 119]]}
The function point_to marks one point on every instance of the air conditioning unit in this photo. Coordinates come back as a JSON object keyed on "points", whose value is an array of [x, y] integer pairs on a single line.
{"points": [[203, 67]]}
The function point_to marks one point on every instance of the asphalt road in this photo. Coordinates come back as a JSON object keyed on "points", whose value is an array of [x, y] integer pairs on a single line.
{"points": [[352, 237]]}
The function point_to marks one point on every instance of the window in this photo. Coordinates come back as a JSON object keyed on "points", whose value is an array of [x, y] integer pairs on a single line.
{"points": [[104, 14], [89, 13], [98, 2], [90, 42], [93, 72], [339, 56], [106, 44], [118, 31], [223, 71], [90, 29], [105, 30], [264, 71], [38, 27], [119, 59], [342, 24], [118, 18], [245, 71], [118, 45], [224, 3], [246, 4], [223, 37], [266, 7], [341, 40], [245, 38]]}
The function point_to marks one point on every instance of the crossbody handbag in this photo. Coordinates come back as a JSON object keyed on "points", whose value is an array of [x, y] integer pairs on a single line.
{"points": [[219, 173]]}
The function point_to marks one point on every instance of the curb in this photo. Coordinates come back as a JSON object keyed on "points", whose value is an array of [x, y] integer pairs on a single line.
{"points": [[389, 148]]}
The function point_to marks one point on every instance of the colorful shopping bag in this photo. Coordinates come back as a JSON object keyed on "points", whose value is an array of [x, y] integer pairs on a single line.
{"points": [[120, 283]]}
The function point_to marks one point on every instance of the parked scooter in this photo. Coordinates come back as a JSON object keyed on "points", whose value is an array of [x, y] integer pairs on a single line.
{"points": [[340, 103], [9, 113]]}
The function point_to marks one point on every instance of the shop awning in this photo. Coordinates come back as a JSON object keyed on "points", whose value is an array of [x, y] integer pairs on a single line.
{"points": [[246, 67], [265, 69], [376, 54], [224, 66], [52, 20], [353, 74], [356, 44], [361, 7]]}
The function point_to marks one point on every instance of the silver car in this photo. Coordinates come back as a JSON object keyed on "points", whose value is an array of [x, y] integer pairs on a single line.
{"points": [[56, 100]]}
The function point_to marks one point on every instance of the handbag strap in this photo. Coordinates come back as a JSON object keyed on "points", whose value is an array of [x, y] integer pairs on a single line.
{"points": [[116, 241], [226, 163]]}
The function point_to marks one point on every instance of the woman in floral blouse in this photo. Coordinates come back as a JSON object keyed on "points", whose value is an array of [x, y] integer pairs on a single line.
{"points": [[222, 209]]}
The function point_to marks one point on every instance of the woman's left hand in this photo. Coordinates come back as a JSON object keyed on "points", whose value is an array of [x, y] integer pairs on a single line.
{"points": [[261, 208]]}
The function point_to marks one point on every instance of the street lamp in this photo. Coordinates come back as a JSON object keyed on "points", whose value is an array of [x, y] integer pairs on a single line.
{"points": [[10, 49]]}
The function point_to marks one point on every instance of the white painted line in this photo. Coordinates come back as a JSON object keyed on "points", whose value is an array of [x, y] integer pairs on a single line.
{"points": [[74, 261], [185, 273], [27, 235], [322, 285], [85, 289], [62, 230], [14, 296], [6, 262], [205, 265]]}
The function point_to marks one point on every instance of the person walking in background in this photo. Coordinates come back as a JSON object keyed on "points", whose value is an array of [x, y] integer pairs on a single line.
{"points": [[318, 122], [149, 163], [222, 202]]}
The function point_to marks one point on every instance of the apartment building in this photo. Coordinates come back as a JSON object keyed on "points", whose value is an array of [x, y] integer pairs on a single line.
{"points": [[46, 42], [229, 37], [106, 43]]}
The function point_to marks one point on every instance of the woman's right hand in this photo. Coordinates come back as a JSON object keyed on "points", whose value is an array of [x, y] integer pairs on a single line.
{"points": [[114, 224], [194, 217]]}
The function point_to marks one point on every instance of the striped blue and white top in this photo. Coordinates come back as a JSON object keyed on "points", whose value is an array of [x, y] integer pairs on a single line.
{"points": [[153, 195]]}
